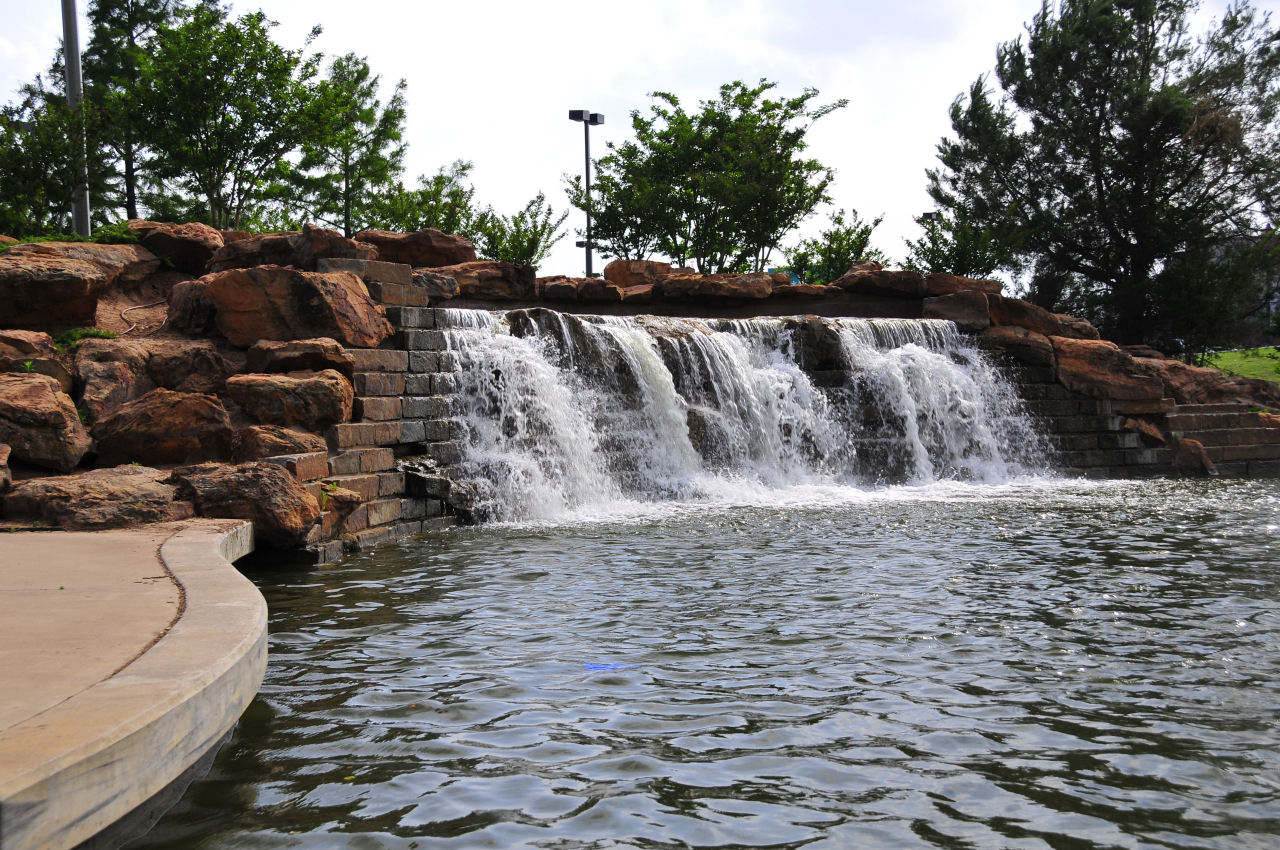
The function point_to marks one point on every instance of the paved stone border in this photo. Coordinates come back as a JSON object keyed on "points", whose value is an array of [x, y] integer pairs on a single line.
{"points": [[74, 769]]}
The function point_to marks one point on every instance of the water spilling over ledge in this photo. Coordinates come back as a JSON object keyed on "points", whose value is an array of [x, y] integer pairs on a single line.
{"points": [[563, 412]]}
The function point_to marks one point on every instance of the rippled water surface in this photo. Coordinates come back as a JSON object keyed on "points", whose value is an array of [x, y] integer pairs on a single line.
{"points": [[1038, 665]]}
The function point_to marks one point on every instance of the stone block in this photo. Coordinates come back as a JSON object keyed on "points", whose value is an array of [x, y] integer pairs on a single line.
{"points": [[411, 317], [378, 360], [427, 407], [379, 383], [391, 483], [383, 511], [399, 295], [352, 435], [361, 460], [423, 486], [438, 524], [1142, 405], [413, 508], [365, 484], [370, 538], [445, 454], [372, 271], [1119, 440], [444, 383], [304, 467], [424, 362], [422, 340], [378, 409], [415, 384]]}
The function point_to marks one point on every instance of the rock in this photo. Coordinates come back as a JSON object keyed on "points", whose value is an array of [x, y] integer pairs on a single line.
{"points": [[193, 366], [804, 290], [428, 248], [1015, 312], [165, 427], [1077, 328], [190, 310], [1151, 435], [1191, 456], [437, 286], [558, 287], [309, 399], [624, 273], [948, 284], [33, 352], [188, 247], [48, 291], [1268, 420], [492, 281], [8, 240], [229, 236], [275, 303], [39, 423], [101, 498], [1028, 347], [6, 475], [300, 355], [600, 291], [716, 287], [296, 248], [281, 510], [1144, 351], [112, 373], [126, 264], [967, 308], [1100, 369], [640, 294], [865, 279], [1196, 385], [259, 441]]}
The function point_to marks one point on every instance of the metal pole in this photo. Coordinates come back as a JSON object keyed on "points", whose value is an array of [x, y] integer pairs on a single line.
{"points": [[586, 176], [75, 93]]}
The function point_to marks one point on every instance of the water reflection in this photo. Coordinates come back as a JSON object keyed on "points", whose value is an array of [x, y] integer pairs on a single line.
{"points": [[1028, 666]]}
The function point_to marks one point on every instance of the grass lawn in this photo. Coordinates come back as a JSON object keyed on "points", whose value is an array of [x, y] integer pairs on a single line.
{"points": [[1249, 363]]}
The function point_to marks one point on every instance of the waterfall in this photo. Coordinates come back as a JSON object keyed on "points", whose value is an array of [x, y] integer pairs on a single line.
{"points": [[563, 412]]}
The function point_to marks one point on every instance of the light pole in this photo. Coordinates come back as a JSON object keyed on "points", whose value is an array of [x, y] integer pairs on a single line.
{"points": [[75, 92], [588, 118]]}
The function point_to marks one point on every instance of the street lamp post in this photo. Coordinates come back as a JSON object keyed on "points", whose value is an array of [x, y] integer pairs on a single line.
{"points": [[75, 92], [588, 118]]}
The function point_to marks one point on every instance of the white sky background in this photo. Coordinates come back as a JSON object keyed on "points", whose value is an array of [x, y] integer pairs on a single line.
{"points": [[492, 81]]}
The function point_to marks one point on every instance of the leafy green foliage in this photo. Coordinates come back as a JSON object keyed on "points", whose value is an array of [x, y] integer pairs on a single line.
{"points": [[836, 249], [444, 201], [68, 340], [360, 153], [720, 187], [1128, 168], [526, 237], [226, 104], [954, 244], [39, 163]]}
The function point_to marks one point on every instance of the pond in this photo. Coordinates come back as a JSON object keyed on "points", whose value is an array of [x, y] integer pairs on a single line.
{"points": [[1038, 663]]}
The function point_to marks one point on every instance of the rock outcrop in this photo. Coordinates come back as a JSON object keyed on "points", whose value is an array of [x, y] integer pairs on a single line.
{"points": [[39, 422], [101, 498], [281, 509], [259, 441], [1100, 369], [301, 249], [308, 399], [165, 427], [301, 355], [428, 248], [489, 279], [716, 287], [127, 264], [275, 303], [40, 291], [188, 247]]}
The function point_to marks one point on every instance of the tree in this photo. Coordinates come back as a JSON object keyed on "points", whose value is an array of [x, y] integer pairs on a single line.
{"points": [[361, 153], [1124, 161], [525, 238], [225, 105], [953, 244], [720, 187], [443, 201], [121, 32], [836, 249], [40, 160]]}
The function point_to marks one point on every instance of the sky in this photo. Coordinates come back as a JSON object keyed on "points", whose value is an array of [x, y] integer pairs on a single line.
{"points": [[492, 81]]}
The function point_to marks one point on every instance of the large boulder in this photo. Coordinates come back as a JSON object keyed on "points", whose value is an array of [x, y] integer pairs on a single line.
{"points": [[436, 286], [270, 302], [190, 310], [967, 308], [1025, 346], [421, 249], [491, 280], [716, 287], [40, 423], [111, 373], [869, 280], [624, 273], [101, 498], [281, 509], [1015, 312], [947, 284], [1196, 385], [1100, 369], [259, 441], [125, 264], [299, 355], [188, 247], [33, 351], [188, 366], [309, 399], [49, 291], [558, 287], [6, 474], [294, 248], [166, 427]]}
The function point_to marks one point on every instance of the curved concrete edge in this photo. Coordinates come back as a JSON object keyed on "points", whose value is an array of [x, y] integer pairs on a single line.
{"points": [[111, 747]]}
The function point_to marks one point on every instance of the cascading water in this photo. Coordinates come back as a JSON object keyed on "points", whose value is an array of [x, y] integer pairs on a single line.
{"points": [[563, 412]]}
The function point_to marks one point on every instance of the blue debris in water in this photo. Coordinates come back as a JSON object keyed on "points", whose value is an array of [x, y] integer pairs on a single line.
{"points": [[609, 666]]}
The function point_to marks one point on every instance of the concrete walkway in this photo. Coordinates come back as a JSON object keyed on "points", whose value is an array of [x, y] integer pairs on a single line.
{"points": [[124, 657]]}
